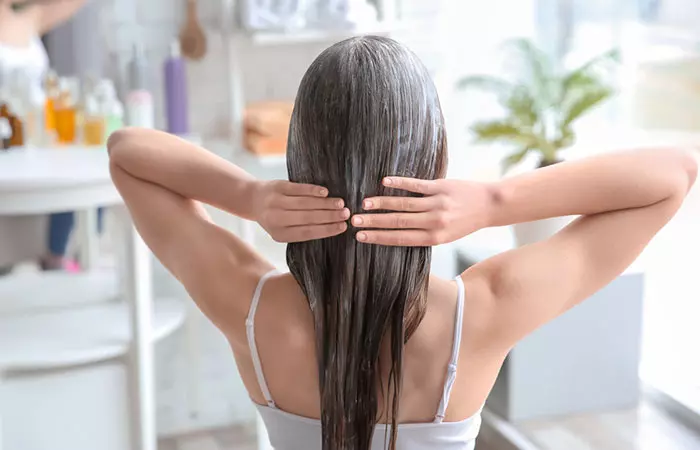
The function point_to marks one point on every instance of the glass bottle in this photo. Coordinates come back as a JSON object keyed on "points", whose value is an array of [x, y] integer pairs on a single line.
{"points": [[5, 126], [35, 116], [93, 122], [115, 117], [51, 90], [65, 111], [87, 85], [111, 108], [14, 107], [17, 139]]}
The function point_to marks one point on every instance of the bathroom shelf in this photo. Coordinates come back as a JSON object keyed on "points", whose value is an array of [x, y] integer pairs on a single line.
{"points": [[56, 319], [24, 293], [75, 336], [237, 39], [244, 157], [309, 36]]}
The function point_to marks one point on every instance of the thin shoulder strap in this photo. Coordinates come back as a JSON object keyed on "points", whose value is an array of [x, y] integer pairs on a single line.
{"points": [[452, 367], [250, 333]]}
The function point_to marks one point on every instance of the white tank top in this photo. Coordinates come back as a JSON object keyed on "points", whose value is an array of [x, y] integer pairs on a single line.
{"points": [[32, 61], [291, 432]]}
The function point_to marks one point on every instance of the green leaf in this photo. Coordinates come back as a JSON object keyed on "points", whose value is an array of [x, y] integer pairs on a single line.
{"points": [[495, 130], [584, 78], [547, 150], [542, 100], [584, 103], [566, 139], [538, 67], [611, 56], [579, 79], [489, 83], [505, 131], [522, 107], [514, 158]]}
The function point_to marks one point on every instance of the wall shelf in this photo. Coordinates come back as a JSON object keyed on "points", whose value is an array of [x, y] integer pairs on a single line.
{"points": [[291, 37], [60, 339], [235, 37]]}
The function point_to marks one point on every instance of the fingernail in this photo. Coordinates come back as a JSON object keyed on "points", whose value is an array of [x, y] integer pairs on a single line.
{"points": [[346, 213], [387, 181], [340, 203], [361, 237], [357, 220], [323, 192], [367, 204]]}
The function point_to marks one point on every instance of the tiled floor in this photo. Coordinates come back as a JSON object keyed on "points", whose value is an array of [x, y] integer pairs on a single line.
{"points": [[645, 428], [233, 438]]}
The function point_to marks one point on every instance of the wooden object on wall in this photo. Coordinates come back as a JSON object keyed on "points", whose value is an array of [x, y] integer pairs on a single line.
{"points": [[193, 42]]}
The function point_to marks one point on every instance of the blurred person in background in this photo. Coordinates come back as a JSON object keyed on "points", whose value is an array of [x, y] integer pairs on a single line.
{"points": [[22, 23]]}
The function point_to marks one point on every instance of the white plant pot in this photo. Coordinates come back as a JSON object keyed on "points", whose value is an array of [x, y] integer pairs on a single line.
{"points": [[539, 230]]}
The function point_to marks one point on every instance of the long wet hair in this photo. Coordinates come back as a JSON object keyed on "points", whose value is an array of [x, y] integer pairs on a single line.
{"points": [[366, 108]]}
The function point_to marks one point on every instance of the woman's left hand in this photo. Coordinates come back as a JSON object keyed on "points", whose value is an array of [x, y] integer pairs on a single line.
{"points": [[448, 210]]}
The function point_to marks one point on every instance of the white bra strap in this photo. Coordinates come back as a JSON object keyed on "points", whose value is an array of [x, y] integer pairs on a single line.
{"points": [[250, 333], [452, 367]]}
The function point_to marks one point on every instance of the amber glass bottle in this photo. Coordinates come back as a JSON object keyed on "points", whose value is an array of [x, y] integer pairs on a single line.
{"points": [[51, 89], [65, 112], [5, 126]]}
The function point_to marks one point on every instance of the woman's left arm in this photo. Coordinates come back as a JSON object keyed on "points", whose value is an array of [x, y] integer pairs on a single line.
{"points": [[162, 179], [53, 14]]}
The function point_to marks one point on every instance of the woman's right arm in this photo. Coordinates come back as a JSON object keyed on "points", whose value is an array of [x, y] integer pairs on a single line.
{"points": [[54, 14], [624, 199]]}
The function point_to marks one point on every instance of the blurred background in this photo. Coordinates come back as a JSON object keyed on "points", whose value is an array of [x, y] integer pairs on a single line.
{"points": [[101, 349]]}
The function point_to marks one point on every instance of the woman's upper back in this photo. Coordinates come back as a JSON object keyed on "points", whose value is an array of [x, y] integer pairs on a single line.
{"points": [[281, 331]]}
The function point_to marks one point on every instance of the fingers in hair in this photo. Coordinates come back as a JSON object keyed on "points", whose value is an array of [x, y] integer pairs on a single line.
{"points": [[311, 232], [317, 217], [407, 204], [407, 238], [292, 203], [393, 221], [426, 187], [302, 189]]}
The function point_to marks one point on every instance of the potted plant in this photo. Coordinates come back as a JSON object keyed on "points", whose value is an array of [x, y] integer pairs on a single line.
{"points": [[541, 107]]}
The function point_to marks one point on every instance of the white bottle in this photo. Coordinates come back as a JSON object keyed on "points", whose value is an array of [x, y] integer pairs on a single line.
{"points": [[140, 111]]}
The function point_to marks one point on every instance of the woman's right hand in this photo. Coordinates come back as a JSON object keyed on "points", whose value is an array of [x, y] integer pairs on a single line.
{"points": [[295, 212], [448, 210]]}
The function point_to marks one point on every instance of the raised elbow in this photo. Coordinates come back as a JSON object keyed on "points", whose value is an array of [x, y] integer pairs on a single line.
{"points": [[115, 139], [120, 139], [688, 162], [691, 168]]}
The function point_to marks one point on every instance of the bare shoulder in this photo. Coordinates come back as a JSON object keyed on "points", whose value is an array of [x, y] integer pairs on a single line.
{"points": [[285, 340], [282, 314]]}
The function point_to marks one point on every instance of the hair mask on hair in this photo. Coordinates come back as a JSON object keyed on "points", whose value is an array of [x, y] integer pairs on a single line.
{"points": [[366, 108]]}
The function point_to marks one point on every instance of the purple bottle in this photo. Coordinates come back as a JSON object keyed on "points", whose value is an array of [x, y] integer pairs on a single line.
{"points": [[176, 107]]}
